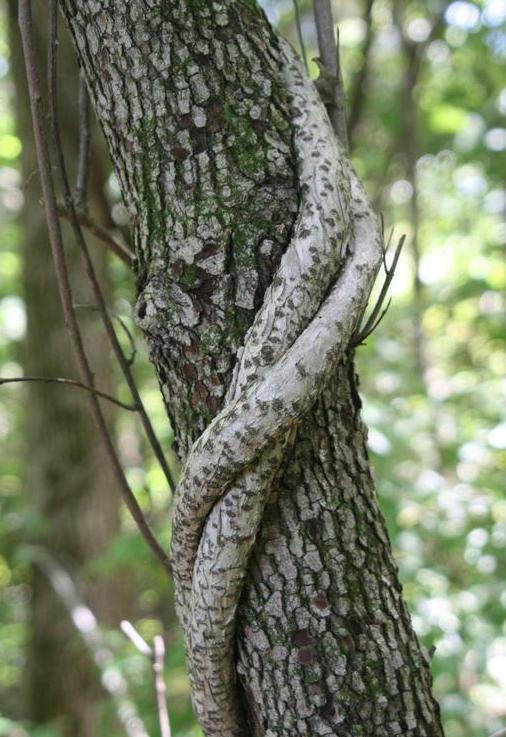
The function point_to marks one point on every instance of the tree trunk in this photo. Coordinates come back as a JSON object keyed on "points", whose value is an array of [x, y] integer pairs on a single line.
{"points": [[66, 478], [197, 111]]}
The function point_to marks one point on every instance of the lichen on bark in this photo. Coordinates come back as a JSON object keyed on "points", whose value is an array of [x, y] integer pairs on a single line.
{"points": [[194, 104], [196, 117]]}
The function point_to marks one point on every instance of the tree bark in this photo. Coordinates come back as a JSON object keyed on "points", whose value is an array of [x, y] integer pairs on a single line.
{"points": [[66, 478], [194, 104]]}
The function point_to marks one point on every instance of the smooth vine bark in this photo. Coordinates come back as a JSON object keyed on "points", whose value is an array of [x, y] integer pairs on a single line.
{"points": [[216, 140], [66, 477]]}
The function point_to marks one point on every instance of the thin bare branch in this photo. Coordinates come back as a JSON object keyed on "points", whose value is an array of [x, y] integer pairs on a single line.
{"points": [[500, 733], [358, 96], [160, 687], [375, 324], [86, 624], [342, 129], [157, 656], [298, 23], [83, 160], [377, 315], [413, 53], [121, 322], [122, 251], [324, 23], [330, 67], [62, 276], [385, 250], [136, 638], [88, 263], [68, 382]]}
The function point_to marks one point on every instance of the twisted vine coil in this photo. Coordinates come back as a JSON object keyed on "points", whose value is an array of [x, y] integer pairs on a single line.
{"points": [[306, 323]]}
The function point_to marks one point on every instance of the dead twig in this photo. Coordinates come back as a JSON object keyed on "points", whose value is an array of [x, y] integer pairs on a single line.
{"points": [[377, 313], [68, 382], [135, 638], [86, 624], [298, 23], [61, 271], [160, 687], [358, 96], [130, 360], [330, 68], [157, 656]]}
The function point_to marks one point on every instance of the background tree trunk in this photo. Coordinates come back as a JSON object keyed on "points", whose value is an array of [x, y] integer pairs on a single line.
{"points": [[67, 476], [194, 109]]}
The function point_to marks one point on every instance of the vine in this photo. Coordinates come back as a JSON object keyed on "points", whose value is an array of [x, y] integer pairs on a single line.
{"points": [[307, 322]]}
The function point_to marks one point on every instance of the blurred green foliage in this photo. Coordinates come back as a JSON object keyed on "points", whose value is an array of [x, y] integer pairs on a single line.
{"points": [[432, 374]]}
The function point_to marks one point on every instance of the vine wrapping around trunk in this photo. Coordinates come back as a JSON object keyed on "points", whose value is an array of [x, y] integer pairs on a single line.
{"points": [[193, 102], [305, 325]]}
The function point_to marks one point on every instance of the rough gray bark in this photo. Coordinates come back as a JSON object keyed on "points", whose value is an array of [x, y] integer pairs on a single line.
{"points": [[194, 104], [65, 478]]}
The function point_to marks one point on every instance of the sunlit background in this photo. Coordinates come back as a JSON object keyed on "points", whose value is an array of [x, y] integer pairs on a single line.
{"points": [[430, 147]]}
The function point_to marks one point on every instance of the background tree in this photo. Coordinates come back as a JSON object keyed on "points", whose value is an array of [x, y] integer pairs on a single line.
{"points": [[70, 485]]}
